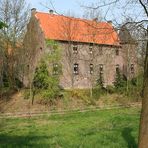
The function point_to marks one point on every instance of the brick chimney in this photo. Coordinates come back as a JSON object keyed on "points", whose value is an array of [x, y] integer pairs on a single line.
{"points": [[33, 11], [95, 19], [51, 11], [110, 22]]}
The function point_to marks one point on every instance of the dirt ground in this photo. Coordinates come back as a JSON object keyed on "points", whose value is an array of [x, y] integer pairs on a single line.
{"points": [[17, 104]]}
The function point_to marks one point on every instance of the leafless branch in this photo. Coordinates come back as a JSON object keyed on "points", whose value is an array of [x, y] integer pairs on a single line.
{"points": [[104, 5], [144, 6]]}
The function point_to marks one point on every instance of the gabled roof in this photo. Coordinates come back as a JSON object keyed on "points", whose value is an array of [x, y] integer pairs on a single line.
{"points": [[59, 27]]}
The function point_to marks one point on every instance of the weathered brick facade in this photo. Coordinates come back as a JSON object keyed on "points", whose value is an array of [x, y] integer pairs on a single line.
{"points": [[82, 63]]}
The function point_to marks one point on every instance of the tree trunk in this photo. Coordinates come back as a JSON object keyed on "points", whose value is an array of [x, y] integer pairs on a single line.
{"points": [[143, 133]]}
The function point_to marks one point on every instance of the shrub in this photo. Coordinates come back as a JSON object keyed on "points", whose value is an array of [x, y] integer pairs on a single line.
{"points": [[88, 96], [5, 80], [134, 81], [26, 94], [41, 77], [46, 78], [110, 89], [48, 85], [100, 81], [97, 92], [119, 81]]}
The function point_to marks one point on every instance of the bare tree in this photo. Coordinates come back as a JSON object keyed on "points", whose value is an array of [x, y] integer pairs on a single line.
{"points": [[143, 135], [92, 13], [15, 14]]}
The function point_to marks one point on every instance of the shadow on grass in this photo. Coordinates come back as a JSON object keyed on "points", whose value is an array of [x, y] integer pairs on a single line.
{"points": [[27, 141], [126, 133]]}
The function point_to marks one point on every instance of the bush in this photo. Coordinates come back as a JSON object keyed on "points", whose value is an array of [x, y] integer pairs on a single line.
{"points": [[100, 82], [46, 83], [88, 96], [40, 80], [134, 81], [119, 80], [97, 92], [26, 94], [110, 89], [53, 90], [5, 80]]}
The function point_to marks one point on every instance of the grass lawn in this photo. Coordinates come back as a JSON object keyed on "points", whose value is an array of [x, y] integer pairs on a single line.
{"points": [[117, 128]]}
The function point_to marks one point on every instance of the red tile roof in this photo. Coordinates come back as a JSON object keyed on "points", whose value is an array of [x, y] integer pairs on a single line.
{"points": [[59, 27]]}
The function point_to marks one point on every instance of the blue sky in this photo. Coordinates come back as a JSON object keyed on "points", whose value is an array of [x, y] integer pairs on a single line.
{"points": [[62, 6], [114, 12]]}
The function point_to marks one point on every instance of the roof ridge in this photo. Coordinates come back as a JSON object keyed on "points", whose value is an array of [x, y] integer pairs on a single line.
{"points": [[78, 18]]}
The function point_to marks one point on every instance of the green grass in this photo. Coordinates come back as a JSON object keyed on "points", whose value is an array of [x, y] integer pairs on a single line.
{"points": [[117, 128]]}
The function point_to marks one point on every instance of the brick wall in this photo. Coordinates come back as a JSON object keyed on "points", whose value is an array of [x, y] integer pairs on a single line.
{"points": [[108, 56], [105, 55]]}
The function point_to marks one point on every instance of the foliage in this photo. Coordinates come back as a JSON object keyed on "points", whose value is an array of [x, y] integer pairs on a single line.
{"points": [[41, 76], [46, 84], [5, 79], [119, 81], [100, 81], [26, 94], [110, 89], [2, 25], [130, 88], [55, 54], [53, 91], [14, 16], [14, 13], [45, 81], [85, 95], [132, 94]]}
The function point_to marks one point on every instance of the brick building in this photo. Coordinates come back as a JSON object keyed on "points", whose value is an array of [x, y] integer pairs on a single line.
{"points": [[90, 49]]}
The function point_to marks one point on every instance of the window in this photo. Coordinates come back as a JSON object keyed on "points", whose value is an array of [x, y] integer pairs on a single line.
{"points": [[132, 68], [76, 68], [91, 68], [91, 48], [101, 68], [117, 68], [101, 81], [28, 68], [55, 69], [117, 52], [75, 48], [100, 51]]}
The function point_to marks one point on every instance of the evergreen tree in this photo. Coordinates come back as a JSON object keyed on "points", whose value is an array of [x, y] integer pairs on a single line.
{"points": [[40, 80], [119, 82], [100, 81]]}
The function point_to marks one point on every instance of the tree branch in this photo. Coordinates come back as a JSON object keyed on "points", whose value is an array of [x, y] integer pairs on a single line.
{"points": [[101, 5], [145, 9]]}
